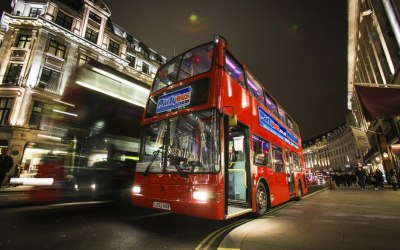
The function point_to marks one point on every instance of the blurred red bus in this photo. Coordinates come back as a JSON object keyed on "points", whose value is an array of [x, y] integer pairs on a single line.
{"points": [[214, 143]]}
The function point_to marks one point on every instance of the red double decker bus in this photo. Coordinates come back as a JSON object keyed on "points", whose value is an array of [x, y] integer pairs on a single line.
{"points": [[214, 143]]}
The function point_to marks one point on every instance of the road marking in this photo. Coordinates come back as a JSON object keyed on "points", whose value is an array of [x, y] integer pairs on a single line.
{"points": [[77, 203], [209, 240]]}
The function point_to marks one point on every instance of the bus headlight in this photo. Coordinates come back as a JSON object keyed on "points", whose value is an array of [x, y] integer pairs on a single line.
{"points": [[136, 189], [200, 195], [93, 186]]}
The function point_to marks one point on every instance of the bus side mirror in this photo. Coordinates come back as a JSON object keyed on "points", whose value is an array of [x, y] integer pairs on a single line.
{"points": [[232, 120]]}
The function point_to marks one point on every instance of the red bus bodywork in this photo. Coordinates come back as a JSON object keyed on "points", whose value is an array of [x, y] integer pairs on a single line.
{"points": [[176, 192]]}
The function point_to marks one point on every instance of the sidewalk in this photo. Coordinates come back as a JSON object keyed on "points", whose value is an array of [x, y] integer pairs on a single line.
{"points": [[342, 218]]}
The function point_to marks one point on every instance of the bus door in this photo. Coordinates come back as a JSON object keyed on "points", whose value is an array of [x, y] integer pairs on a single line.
{"points": [[290, 172], [237, 173]]}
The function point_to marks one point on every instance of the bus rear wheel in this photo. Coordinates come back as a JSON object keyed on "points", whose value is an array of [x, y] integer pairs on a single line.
{"points": [[261, 200]]}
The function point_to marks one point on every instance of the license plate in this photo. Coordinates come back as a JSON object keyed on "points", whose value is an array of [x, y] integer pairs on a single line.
{"points": [[161, 205]]}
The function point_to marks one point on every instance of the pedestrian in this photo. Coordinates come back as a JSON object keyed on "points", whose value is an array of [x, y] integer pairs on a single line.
{"points": [[393, 179], [6, 163], [379, 178], [361, 175]]}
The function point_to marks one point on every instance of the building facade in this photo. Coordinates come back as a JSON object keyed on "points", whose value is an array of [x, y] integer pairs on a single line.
{"points": [[374, 60], [334, 150], [43, 44]]}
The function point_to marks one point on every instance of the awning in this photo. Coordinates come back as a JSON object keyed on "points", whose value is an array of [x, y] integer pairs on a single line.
{"points": [[396, 149], [378, 101]]}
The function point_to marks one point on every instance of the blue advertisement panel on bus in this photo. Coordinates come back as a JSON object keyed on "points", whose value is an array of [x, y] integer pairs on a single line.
{"points": [[174, 100], [269, 123]]}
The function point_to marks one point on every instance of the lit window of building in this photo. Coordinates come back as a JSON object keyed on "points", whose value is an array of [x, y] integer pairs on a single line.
{"points": [[57, 49], [24, 41]]}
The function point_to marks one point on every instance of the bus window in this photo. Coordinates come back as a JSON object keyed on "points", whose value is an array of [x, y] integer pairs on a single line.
{"points": [[234, 69], [271, 105], [166, 75], [296, 162], [188, 143], [277, 159], [255, 89], [289, 122], [262, 151], [282, 115], [195, 62]]}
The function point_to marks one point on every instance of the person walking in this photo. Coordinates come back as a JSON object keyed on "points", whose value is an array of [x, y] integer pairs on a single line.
{"points": [[379, 178], [361, 175], [6, 163], [393, 179]]}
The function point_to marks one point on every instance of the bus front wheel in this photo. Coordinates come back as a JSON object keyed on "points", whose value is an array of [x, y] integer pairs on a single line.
{"points": [[261, 199]]}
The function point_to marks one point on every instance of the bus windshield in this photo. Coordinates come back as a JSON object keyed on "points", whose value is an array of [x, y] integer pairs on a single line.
{"points": [[182, 144], [191, 63]]}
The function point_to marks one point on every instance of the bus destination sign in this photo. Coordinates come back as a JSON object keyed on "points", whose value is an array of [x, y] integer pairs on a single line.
{"points": [[269, 123], [174, 100]]}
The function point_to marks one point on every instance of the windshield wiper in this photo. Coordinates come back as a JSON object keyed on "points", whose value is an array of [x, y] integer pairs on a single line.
{"points": [[175, 161], [155, 154]]}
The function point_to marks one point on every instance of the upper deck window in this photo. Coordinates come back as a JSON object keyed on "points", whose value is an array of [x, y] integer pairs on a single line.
{"points": [[255, 89], [234, 69], [271, 105], [282, 114], [189, 64]]}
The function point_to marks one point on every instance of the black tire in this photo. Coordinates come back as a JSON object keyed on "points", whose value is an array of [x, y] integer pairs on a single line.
{"points": [[300, 192], [261, 200]]}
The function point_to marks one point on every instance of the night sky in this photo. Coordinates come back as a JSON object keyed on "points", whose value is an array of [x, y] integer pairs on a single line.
{"points": [[297, 49]]}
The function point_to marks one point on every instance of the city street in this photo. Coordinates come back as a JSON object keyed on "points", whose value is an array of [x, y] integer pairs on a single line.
{"points": [[102, 224], [343, 218]]}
